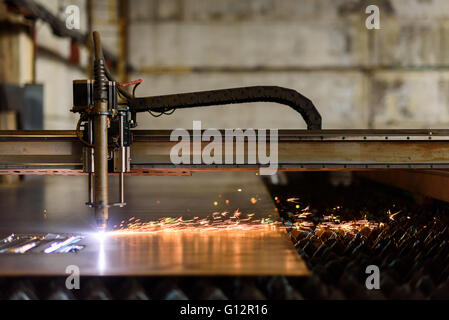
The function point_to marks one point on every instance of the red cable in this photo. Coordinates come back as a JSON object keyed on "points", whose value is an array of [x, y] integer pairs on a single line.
{"points": [[126, 84]]}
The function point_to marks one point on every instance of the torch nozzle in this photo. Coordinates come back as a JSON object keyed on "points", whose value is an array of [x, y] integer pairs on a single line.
{"points": [[102, 224]]}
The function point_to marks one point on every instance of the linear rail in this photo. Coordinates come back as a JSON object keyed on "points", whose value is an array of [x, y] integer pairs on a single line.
{"points": [[60, 152]]}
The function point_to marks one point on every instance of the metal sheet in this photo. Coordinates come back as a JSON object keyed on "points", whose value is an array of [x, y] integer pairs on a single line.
{"points": [[56, 204], [427, 183]]}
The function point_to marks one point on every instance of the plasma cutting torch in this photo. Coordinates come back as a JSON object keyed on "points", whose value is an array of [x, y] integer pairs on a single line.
{"points": [[105, 123]]}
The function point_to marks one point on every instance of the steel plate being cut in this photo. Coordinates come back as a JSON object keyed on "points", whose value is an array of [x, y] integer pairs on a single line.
{"points": [[205, 224]]}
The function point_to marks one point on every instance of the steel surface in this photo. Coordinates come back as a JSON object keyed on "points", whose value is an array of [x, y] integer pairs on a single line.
{"points": [[56, 205]]}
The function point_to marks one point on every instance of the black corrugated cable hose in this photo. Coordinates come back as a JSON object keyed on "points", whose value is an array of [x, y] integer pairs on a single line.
{"points": [[281, 95]]}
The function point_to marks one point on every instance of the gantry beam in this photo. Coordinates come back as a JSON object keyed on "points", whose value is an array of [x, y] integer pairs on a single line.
{"points": [[60, 152]]}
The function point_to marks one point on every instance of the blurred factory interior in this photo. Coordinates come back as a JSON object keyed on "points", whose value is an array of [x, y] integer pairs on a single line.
{"points": [[392, 77], [395, 77]]}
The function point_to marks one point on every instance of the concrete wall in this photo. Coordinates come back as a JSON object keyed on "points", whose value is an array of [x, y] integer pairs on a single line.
{"points": [[395, 77], [358, 78]]}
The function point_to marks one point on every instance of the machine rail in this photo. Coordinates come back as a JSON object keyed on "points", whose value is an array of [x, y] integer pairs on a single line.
{"points": [[59, 152]]}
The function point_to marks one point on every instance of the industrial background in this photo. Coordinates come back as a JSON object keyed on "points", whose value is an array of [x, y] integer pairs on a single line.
{"points": [[358, 78]]}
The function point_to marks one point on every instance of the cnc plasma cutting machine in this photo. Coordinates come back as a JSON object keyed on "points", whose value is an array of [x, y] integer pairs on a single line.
{"points": [[105, 141]]}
